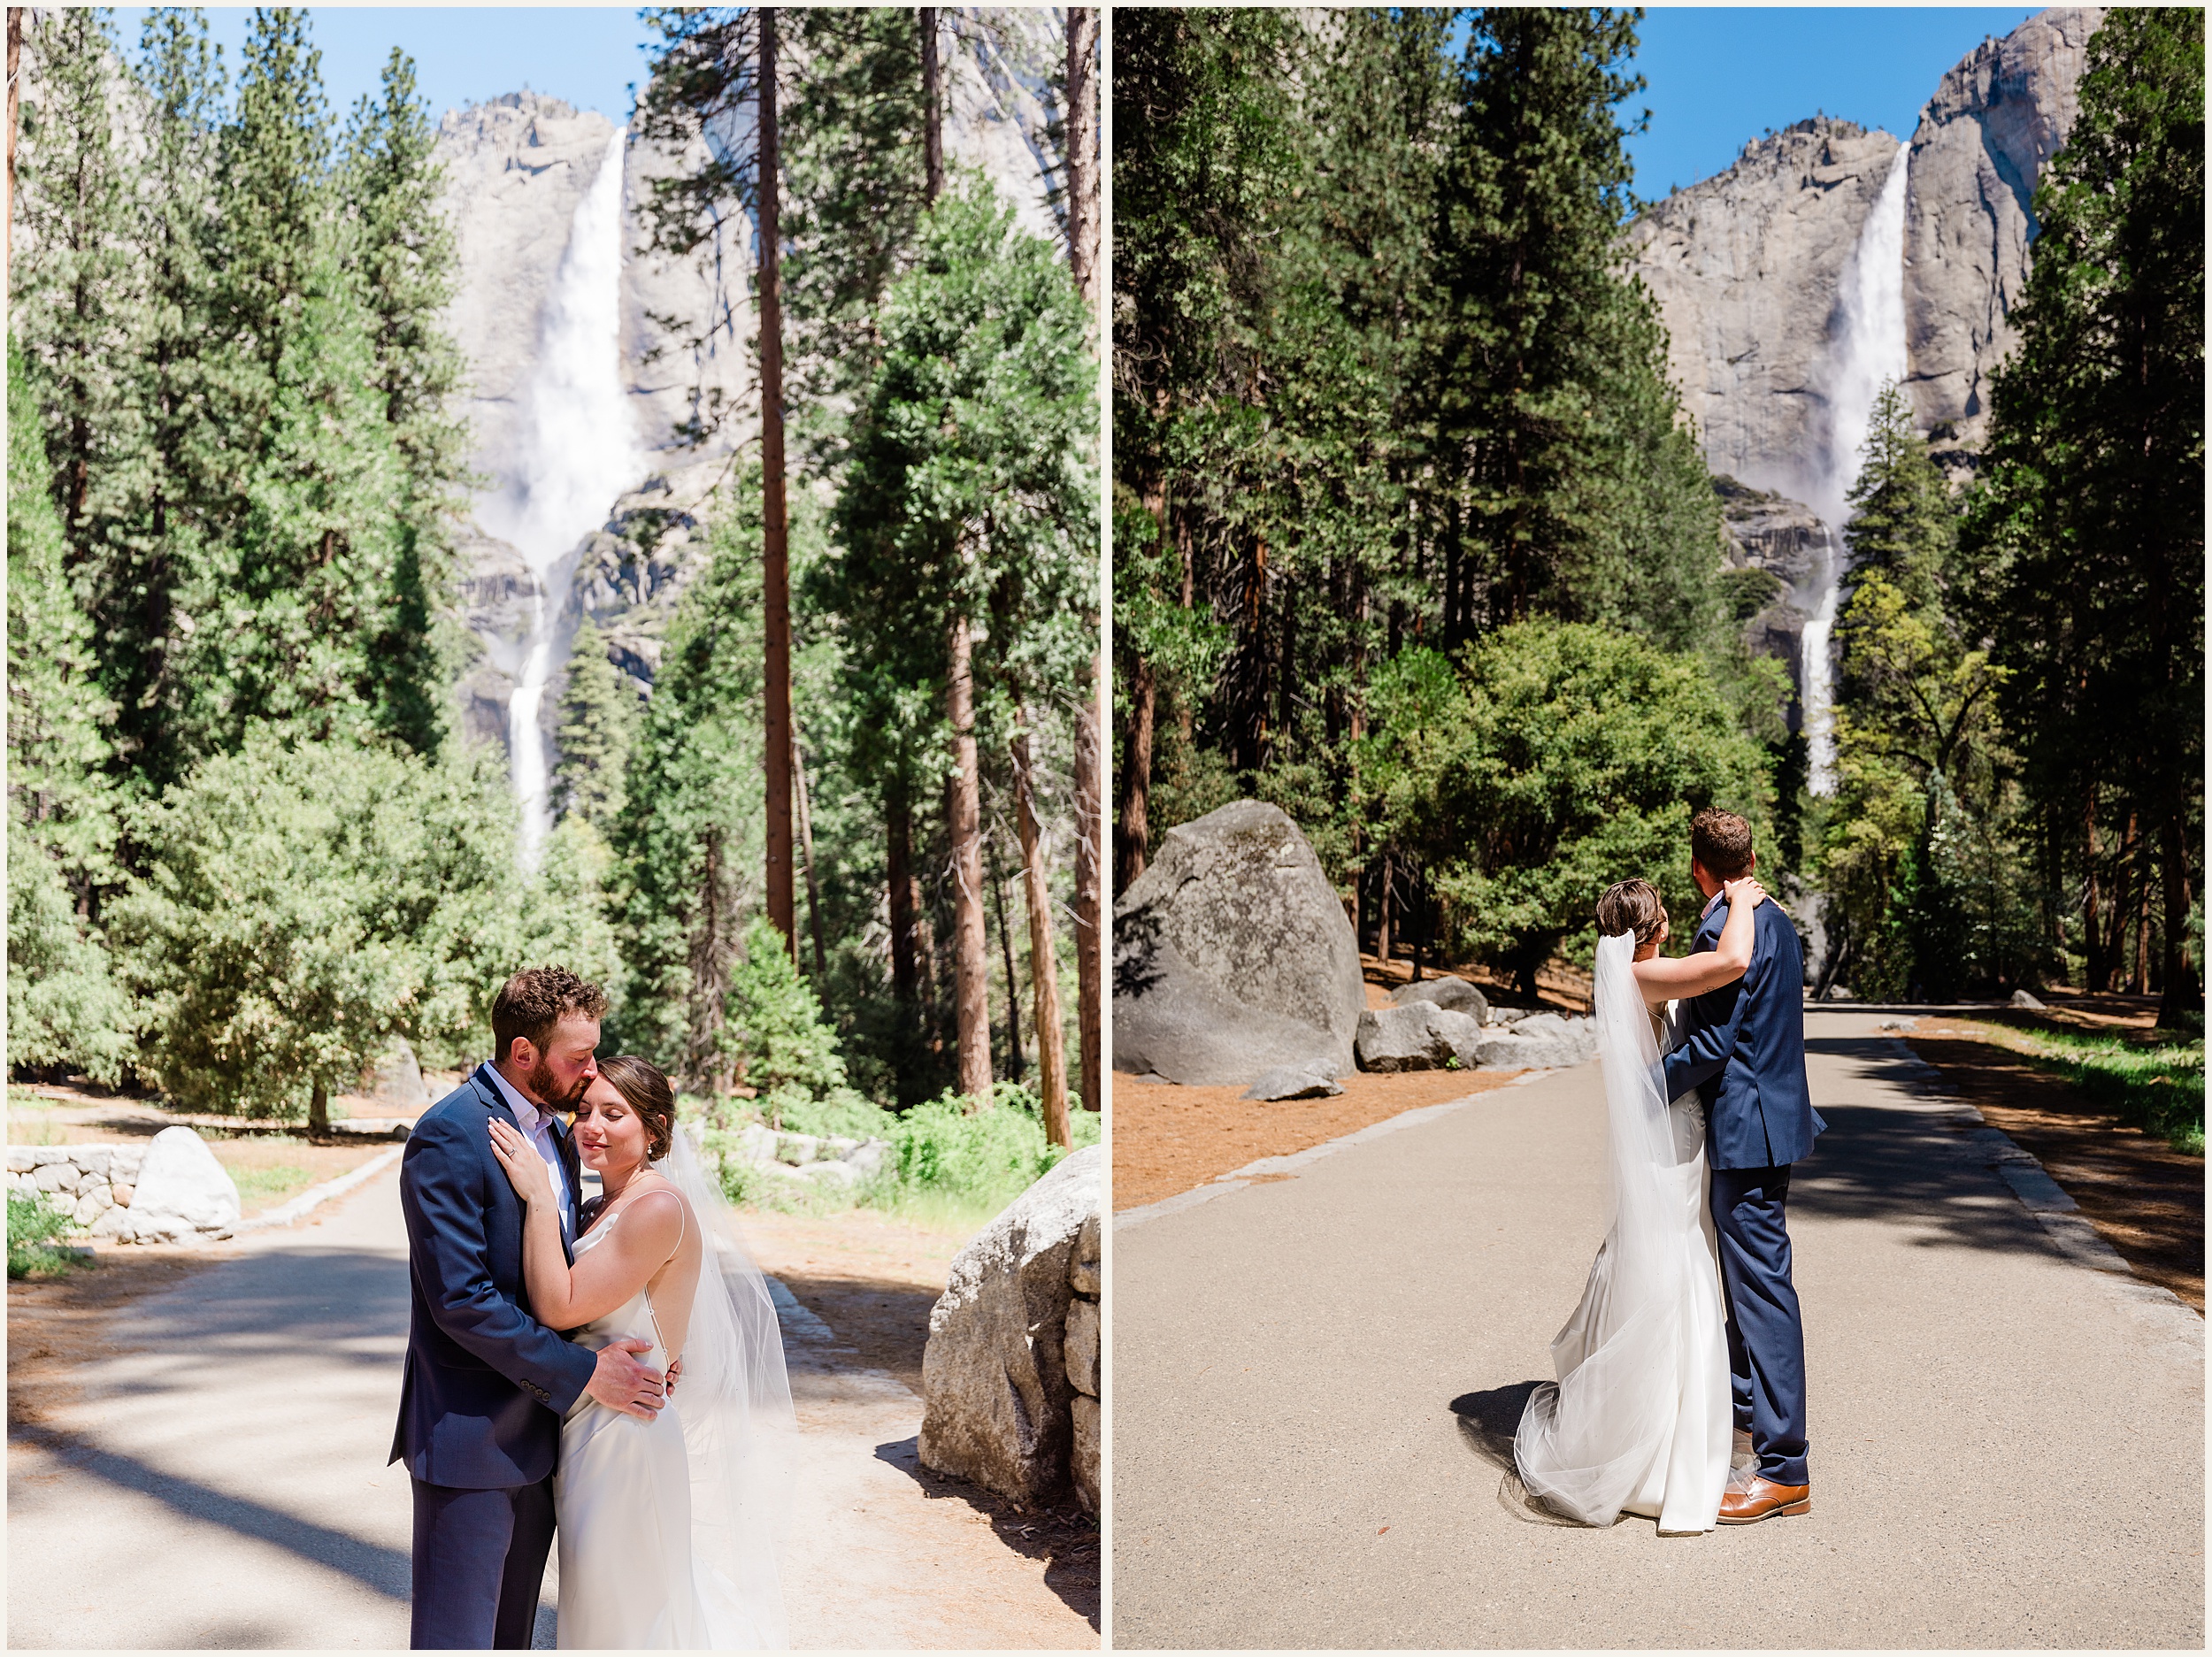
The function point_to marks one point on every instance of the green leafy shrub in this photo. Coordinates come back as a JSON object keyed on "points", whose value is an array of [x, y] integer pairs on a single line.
{"points": [[33, 1224], [992, 1153]]}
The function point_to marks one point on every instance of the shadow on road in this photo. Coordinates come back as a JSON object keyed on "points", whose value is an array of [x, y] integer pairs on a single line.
{"points": [[1891, 1165], [1064, 1537], [386, 1570]]}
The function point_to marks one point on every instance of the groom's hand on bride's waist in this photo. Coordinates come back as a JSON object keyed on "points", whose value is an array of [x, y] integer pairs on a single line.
{"points": [[622, 1383]]}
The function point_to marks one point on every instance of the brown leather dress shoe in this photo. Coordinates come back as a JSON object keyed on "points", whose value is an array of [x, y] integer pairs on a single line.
{"points": [[1760, 1499]]}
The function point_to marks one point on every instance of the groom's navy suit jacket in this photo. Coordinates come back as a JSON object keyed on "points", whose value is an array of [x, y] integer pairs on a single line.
{"points": [[1745, 1050], [486, 1384]]}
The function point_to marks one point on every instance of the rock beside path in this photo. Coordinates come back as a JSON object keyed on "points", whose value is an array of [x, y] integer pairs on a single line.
{"points": [[998, 1401], [1418, 1036], [1233, 955], [1454, 995], [181, 1192], [1292, 1081]]}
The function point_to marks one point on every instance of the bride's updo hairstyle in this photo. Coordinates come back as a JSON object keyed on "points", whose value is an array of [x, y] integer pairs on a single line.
{"points": [[1632, 906], [645, 1091]]}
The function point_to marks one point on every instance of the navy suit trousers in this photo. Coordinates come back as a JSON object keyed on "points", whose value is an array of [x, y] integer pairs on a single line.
{"points": [[479, 1563], [1766, 1340]]}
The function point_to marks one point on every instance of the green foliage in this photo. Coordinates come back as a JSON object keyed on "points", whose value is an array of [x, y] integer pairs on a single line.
{"points": [[33, 1224], [303, 904], [2156, 1086], [599, 716], [992, 1155], [2086, 532], [1380, 388], [1555, 759]]}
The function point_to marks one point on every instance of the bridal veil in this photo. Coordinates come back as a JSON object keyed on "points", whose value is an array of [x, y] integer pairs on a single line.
{"points": [[734, 1399]]}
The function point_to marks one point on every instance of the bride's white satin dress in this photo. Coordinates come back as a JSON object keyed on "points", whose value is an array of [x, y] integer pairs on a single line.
{"points": [[622, 1501]]}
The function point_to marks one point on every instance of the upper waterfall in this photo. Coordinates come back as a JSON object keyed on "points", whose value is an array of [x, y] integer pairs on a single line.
{"points": [[1867, 351], [573, 451]]}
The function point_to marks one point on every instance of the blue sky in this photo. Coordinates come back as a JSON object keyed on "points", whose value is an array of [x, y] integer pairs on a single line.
{"points": [[588, 54], [1718, 74], [1722, 74]]}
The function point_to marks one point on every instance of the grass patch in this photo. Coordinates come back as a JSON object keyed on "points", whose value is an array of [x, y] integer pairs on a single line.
{"points": [[2156, 1084], [34, 1223], [270, 1184]]}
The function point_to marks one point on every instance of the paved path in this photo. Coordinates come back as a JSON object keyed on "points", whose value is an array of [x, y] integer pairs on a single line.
{"points": [[221, 1482], [1315, 1377]]}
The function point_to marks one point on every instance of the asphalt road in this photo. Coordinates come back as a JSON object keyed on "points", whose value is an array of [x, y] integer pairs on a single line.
{"points": [[221, 1484], [1316, 1380]]}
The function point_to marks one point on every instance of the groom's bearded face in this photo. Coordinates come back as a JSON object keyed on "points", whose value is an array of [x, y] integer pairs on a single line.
{"points": [[564, 1066]]}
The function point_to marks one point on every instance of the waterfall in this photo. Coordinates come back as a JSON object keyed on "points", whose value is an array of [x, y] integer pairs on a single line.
{"points": [[573, 452], [1866, 352]]}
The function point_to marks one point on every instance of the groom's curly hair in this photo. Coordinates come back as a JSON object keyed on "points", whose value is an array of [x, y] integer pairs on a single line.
{"points": [[1632, 906], [532, 1002]]}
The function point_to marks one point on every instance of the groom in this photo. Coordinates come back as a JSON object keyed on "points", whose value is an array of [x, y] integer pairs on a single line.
{"points": [[1744, 1052], [485, 1384]]}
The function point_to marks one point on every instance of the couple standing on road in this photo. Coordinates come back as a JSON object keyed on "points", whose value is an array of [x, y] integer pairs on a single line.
{"points": [[1689, 1317], [667, 1512]]}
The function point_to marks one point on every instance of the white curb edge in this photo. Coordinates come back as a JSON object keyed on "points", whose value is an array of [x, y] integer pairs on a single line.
{"points": [[2058, 1213]]}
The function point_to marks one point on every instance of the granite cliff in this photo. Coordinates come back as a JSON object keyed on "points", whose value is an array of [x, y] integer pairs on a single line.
{"points": [[1754, 270]]}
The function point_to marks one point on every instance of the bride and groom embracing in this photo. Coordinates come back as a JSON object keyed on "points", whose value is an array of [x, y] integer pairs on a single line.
{"points": [[550, 1339], [1689, 1322]]}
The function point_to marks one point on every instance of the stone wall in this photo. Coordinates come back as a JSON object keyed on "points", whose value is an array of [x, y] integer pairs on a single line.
{"points": [[88, 1179]]}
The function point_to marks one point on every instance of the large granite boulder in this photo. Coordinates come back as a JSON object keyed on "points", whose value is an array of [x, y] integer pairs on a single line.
{"points": [[1291, 1081], [1233, 955], [1454, 995], [996, 1396], [181, 1192]]}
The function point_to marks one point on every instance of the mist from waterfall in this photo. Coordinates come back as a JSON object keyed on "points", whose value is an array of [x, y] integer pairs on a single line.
{"points": [[574, 451], [1866, 352]]}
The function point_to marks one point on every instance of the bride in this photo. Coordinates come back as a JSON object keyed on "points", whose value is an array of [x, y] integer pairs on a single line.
{"points": [[1639, 1421], [667, 1526]]}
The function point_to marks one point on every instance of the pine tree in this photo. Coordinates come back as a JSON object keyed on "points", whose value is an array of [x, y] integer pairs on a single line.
{"points": [[183, 464], [74, 301], [598, 725], [292, 611], [1903, 525], [404, 263], [64, 1011], [2087, 529]]}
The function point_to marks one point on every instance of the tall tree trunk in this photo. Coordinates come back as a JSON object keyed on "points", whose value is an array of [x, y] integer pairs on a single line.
{"points": [[707, 976], [806, 845], [775, 544], [318, 1112], [1132, 839], [1389, 905], [1082, 141], [903, 905], [1090, 862], [2092, 937], [2183, 997], [932, 111], [1015, 1064], [972, 1012], [1044, 966]]}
